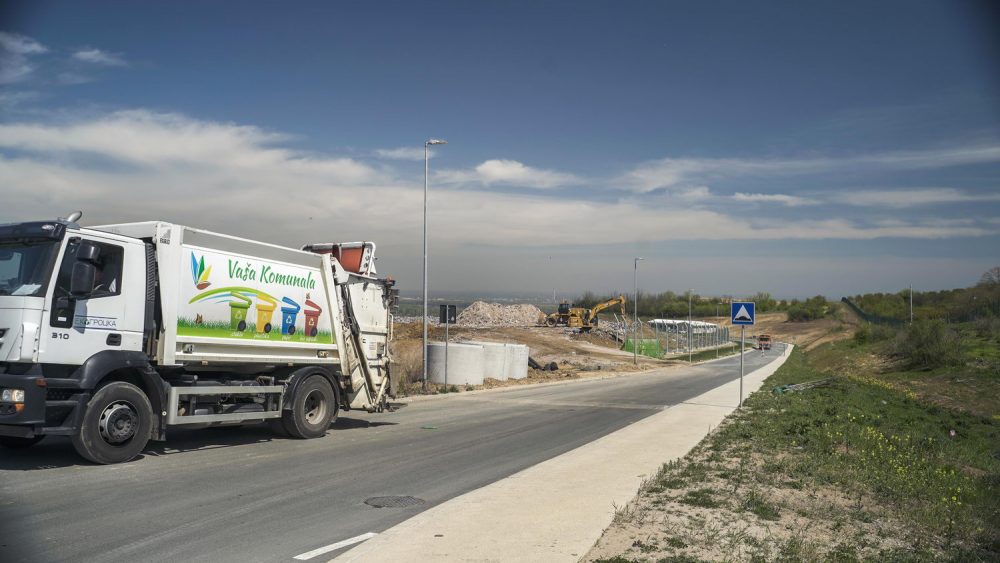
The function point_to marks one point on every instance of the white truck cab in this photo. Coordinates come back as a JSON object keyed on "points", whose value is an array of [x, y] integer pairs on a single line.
{"points": [[112, 334]]}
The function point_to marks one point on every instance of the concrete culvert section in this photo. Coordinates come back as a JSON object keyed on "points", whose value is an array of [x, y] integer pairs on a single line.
{"points": [[465, 363], [494, 359], [517, 361]]}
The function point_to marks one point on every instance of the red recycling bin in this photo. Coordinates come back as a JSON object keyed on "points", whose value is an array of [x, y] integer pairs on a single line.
{"points": [[312, 318]]}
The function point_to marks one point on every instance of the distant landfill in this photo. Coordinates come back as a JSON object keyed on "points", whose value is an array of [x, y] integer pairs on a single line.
{"points": [[482, 314]]}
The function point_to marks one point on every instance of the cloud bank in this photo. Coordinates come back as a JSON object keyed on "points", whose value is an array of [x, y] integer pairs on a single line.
{"points": [[240, 179]]}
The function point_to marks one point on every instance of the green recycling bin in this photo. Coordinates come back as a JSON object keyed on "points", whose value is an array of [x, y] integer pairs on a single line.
{"points": [[238, 312]]}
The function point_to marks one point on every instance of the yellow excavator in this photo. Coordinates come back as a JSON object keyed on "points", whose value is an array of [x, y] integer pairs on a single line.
{"points": [[581, 317]]}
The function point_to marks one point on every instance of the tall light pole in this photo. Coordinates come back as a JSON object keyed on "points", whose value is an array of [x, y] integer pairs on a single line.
{"points": [[716, 331], [911, 303], [690, 291], [635, 309], [427, 144]]}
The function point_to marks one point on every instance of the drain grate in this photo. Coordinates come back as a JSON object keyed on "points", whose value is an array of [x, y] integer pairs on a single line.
{"points": [[393, 502]]}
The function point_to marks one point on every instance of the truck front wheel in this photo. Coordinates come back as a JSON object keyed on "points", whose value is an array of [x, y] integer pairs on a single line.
{"points": [[313, 409], [15, 443], [116, 424]]}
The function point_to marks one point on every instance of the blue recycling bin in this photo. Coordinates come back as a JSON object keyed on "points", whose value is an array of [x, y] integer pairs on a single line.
{"points": [[289, 314]]}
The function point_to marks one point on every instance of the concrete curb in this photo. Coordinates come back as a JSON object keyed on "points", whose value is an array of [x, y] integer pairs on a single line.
{"points": [[557, 509]]}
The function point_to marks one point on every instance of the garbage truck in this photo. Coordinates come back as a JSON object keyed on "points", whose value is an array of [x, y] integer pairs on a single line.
{"points": [[112, 335]]}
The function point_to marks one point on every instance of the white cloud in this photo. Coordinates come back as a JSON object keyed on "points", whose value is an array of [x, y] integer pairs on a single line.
{"points": [[12, 99], [15, 56], [784, 199], [403, 153], [674, 172], [141, 165], [910, 197], [99, 57], [73, 78], [21, 45], [510, 173]]}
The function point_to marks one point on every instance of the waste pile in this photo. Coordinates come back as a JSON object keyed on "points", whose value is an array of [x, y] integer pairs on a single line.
{"points": [[482, 314]]}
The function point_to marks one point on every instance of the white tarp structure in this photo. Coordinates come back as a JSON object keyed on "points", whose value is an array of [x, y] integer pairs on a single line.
{"points": [[682, 326]]}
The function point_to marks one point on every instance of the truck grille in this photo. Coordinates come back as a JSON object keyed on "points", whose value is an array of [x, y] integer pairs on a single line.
{"points": [[3, 331], [59, 394]]}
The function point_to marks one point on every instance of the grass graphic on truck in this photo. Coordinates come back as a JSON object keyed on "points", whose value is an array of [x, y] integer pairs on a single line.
{"points": [[261, 325]]}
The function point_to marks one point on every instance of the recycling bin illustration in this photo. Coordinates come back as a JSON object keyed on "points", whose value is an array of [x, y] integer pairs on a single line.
{"points": [[265, 310], [238, 312], [289, 313], [312, 318]]}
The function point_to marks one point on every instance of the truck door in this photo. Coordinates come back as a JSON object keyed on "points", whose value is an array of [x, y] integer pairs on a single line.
{"points": [[111, 318]]}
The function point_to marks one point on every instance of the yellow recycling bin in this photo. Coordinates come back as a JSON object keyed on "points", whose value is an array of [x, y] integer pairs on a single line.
{"points": [[265, 310]]}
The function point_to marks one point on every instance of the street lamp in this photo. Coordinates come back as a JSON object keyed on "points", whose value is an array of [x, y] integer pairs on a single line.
{"points": [[690, 291], [427, 143], [635, 307]]}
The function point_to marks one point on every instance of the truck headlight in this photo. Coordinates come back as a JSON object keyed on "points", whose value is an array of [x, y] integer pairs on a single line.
{"points": [[12, 396]]}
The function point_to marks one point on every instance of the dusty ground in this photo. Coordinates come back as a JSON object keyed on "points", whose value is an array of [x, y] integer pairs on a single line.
{"points": [[588, 354], [809, 334], [577, 355], [750, 510]]}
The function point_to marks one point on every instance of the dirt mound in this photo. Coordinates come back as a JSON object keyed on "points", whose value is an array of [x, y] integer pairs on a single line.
{"points": [[485, 314]]}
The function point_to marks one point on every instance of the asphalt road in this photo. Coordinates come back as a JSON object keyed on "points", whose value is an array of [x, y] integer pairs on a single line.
{"points": [[241, 494]]}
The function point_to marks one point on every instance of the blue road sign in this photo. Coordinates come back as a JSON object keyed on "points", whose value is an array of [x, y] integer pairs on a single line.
{"points": [[742, 312]]}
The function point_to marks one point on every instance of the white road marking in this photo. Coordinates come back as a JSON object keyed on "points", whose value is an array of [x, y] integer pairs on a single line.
{"points": [[333, 546]]}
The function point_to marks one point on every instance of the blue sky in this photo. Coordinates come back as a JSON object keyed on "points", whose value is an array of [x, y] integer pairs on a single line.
{"points": [[821, 147]]}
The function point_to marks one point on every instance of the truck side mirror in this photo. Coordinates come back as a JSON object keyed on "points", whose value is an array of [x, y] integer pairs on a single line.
{"points": [[81, 282], [88, 252]]}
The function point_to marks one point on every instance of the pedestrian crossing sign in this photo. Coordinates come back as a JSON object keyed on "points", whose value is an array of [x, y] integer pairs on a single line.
{"points": [[742, 313]]}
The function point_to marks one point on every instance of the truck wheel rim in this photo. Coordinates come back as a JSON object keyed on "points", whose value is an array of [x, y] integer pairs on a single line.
{"points": [[118, 422], [315, 407]]}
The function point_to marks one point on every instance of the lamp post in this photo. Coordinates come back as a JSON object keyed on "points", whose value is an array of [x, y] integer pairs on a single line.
{"points": [[690, 291], [635, 309], [427, 144], [911, 303]]}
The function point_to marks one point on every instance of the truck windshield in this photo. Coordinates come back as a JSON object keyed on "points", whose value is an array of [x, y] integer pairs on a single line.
{"points": [[25, 267]]}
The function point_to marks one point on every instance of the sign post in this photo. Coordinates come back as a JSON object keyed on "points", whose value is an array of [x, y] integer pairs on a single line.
{"points": [[447, 317], [742, 316]]}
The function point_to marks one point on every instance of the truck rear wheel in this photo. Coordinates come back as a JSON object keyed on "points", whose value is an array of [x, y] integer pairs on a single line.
{"points": [[16, 443], [116, 424], [315, 406]]}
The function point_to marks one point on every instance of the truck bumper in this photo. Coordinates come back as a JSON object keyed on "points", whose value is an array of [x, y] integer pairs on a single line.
{"points": [[50, 409]]}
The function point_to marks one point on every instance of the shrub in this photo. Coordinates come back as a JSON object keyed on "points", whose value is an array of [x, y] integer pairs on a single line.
{"points": [[864, 334], [988, 327], [881, 333], [929, 344]]}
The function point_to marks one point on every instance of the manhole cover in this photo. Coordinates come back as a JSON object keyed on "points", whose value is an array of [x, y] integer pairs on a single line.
{"points": [[393, 502]]}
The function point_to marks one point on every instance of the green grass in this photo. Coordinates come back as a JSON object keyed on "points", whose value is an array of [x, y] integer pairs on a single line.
{"points": [[649, 347], [757, 504], [725, 350], [216, 329], [701, 497], [894, 463], [868, 437]]}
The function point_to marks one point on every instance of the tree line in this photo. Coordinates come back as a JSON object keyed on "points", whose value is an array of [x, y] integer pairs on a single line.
{"points": [[962, 304], [672, 305]]}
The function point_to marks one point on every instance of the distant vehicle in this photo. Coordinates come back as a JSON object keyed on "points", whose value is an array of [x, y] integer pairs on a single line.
{"points": [[112, 335], [764, 342], [581, 317]]}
